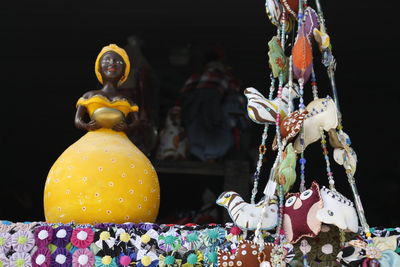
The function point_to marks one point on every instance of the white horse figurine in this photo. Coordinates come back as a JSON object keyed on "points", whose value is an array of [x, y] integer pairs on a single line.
{"points": [[247, 216], [262, 110]]}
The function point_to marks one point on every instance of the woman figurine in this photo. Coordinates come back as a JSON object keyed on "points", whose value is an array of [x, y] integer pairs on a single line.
{"points": [[103, 177]]}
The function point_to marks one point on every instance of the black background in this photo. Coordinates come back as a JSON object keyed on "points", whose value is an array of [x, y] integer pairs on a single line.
{"points": [[48, 50]]}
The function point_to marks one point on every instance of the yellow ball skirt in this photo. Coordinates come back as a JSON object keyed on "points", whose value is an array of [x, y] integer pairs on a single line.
{"points": [[103, 177]]}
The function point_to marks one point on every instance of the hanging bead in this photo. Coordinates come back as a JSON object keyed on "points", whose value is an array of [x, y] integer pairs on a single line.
{"points": [[314, 85], [325, 152], [302, 160]]}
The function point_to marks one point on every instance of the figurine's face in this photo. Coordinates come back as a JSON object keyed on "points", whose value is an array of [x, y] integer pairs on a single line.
{"points": [[299, 218], [225, 197], [112, 66]]}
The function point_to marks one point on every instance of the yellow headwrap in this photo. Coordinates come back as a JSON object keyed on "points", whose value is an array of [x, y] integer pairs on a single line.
{"points": [[120, 51]]}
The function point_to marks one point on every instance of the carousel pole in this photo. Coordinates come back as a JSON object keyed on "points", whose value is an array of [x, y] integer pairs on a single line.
{"points": [[330, 63], [331, 66]]}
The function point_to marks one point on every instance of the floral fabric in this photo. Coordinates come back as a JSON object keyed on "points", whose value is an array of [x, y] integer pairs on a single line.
{"points": [[151, 245]]}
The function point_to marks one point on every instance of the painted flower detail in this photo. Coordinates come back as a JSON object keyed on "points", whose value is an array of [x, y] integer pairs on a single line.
{"points": [[146, 259], [169, 241], [83, 257], [62, 235], [373, 252], [82, 237], [213, 236], [41, 257], [280, 63], [5, 242], [105, 261], [43, 235], [4, 261], [22, 241], [61, 258], [20, 259]]}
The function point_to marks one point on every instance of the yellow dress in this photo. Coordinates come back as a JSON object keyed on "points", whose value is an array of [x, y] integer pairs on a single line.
{"points": [[103, 177]]}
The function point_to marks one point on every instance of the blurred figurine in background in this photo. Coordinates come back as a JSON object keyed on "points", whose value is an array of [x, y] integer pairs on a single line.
{"points": [[212, 109], [142, 85], [172, 140]]}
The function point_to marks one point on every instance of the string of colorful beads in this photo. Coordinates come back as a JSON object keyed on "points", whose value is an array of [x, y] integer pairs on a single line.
{"points": [[272, 87], [302, 159], [258, 233], [262, 148], [325, 152], [279, 229], [283, 31], [279, 93], [314, 85], [300, 14], [290, 83], [261, 153]]}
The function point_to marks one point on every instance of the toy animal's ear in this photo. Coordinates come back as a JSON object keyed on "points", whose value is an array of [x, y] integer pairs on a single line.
{"points": [[352, 222], [322, 114], [290, 127]]}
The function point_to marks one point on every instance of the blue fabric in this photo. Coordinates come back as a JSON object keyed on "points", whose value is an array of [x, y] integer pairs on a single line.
{"points": [[389, 259]]}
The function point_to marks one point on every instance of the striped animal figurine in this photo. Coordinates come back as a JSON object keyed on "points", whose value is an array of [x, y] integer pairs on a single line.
{"points": [[262, 110], [246, 215]]}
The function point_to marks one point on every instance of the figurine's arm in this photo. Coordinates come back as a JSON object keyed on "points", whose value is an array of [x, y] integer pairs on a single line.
{"points": [[131, 122], [133, 119], [80, 123]]}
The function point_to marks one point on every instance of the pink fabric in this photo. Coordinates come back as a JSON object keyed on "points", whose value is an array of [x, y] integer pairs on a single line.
{"points": [[84, 252], [78, 241]]}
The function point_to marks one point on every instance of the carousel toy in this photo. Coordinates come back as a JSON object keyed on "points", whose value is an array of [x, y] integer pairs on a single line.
{"points": [[102, 195]]}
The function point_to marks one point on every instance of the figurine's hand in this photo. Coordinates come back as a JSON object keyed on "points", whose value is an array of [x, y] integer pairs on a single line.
{"points": [[93, 125], [120, 127]]}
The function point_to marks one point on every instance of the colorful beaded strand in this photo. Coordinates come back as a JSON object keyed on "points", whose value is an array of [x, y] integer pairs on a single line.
{"points": [[256, 176], [314, 85], [279, 229], [351, 180], [258, 233], [325, 152], [262, 149], [330, 64], [302, 159], [290, 85]]}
